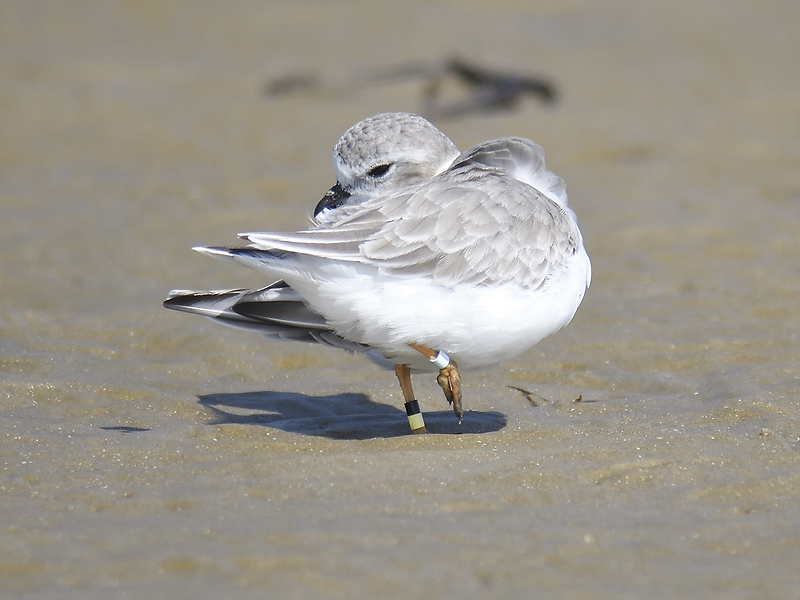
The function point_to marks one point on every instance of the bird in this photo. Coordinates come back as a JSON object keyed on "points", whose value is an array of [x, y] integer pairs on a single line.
{"points": [[421, 257]]}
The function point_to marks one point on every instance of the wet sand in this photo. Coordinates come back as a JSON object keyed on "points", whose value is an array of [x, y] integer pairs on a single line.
{"points": [[151, 454]]}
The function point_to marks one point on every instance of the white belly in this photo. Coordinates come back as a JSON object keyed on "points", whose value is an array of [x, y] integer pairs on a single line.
{"points": [[476, 325]]}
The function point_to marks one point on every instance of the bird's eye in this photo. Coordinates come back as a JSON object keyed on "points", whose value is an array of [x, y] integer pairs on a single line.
{"points": [[379, 170]]}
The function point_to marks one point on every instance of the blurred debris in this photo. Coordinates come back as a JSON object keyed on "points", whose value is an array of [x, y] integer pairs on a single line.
{"points": [[125, 429], [581, 400], [452, 88], [528, 395]]}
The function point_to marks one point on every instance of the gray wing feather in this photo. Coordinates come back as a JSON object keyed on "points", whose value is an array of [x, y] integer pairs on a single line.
{"points": [[474, 223]]}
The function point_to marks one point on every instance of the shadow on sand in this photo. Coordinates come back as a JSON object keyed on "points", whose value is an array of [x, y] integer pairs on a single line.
{"points": [[341, 416]]}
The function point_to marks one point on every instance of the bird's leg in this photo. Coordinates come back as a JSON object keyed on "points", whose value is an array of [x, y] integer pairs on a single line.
{"points": [[449, 378], [415, 420]]}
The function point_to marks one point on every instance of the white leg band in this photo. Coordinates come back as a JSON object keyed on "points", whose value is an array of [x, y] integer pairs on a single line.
{"points": [[441, 360]]}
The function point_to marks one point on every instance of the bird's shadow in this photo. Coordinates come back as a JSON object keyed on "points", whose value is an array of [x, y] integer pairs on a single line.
{"points": [[341, 416]]}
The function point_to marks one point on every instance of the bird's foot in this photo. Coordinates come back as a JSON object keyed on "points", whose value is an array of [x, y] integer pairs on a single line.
{"points": [[450, 381], [449, 378]]}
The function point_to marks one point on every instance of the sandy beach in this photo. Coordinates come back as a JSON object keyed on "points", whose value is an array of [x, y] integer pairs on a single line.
{"points": [[649, 450]]}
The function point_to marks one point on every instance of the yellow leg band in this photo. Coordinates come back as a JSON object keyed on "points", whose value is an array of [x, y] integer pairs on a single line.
{"points": [[415, 417], [416, 421]]}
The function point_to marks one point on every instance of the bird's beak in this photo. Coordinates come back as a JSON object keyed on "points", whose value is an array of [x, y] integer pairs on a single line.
{"points": [[333, 198]]}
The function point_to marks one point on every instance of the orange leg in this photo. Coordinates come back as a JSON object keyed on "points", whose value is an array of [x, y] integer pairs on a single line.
{"points": [[415, 419], [449, 378]]}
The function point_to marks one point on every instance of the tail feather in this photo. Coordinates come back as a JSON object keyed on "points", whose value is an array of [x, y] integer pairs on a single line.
{"points": [[277, 312]]}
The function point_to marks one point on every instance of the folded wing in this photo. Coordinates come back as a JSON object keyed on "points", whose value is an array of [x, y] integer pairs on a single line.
{"points": [[480, 222]]}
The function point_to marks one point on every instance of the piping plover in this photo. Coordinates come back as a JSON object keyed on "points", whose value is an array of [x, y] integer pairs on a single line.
{"points": [[422, 257]]}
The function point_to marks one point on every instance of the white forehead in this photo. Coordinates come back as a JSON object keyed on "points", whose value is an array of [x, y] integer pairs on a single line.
{"points": [[389, 137]]}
